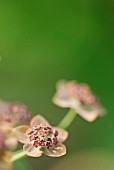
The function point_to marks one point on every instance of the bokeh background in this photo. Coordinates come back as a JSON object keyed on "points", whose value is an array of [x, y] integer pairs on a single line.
{"points": [[43, 41]]}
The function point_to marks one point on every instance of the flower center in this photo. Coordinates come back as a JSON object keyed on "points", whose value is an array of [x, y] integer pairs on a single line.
{"points": [[17, 112], [43, 136], [81, 92]]}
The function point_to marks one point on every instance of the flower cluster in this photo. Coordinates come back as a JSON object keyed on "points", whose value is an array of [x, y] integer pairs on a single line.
{"points": [[40, 137]]}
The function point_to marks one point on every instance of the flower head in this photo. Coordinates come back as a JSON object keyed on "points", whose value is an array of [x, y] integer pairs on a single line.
{"points": [[41, 138], [14, 112], [78, 97]]}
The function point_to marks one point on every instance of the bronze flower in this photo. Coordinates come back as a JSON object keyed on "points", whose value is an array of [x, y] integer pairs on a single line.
{"points": [[41, 138], [79, 97]]}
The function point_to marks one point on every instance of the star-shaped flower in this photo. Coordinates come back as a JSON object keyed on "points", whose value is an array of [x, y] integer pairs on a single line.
{"points": [[41, 138], [79, 97]]}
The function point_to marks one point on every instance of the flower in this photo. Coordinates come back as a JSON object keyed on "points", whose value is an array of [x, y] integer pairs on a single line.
{"points": [[10, 115], [6, 145], [41, 138], [8, 142], [79, 97], [14, 112]]}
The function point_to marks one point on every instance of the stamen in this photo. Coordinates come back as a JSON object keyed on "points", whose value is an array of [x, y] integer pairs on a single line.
{"points": [[43, 135], [29, 131], [82, 93], [36, 144]]}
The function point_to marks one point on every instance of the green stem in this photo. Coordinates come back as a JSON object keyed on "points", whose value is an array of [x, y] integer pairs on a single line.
{"points": [[18, 155], [67, 120]]}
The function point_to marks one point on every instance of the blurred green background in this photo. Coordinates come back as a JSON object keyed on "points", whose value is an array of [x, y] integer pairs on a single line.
{"points": [[43, 41]]}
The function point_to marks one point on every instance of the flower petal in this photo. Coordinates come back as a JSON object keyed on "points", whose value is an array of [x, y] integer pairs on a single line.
{"points": [[62, 134], [61, 97], [61, 101], [11, 142], [30, 150], [37, 120], [65, 101], [58, 151], [90, 113], [21, 135], [6, 127]]}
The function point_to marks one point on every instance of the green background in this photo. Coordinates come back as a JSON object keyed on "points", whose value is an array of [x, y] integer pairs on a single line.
{"points": [[43, 41]]}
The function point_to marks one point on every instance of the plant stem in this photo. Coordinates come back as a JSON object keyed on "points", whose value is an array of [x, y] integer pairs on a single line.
{"points": [[18, 155], [67, 120]]}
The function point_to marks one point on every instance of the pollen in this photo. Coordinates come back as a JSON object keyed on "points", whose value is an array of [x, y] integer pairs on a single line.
{"points": [[43, 136]]}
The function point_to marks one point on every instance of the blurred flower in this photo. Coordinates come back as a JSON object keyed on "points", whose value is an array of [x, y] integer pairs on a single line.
{"points": [[14, 112], [41, 138], [8, 142], [71, 94], [5, 151], [9, 134]]}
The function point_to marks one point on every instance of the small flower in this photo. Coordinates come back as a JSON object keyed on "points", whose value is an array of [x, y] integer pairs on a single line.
{"points": [[14, 112], [5, 151], [41, 138], [79, 97]]}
